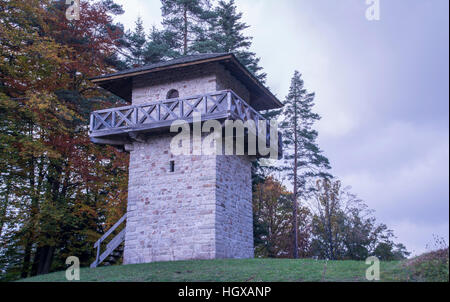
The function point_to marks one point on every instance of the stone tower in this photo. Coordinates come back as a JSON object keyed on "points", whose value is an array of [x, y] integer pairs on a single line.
{"points": [[189, 206]]}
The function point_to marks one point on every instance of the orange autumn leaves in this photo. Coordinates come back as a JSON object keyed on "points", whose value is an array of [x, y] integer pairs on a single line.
{"points": [[272, 206]]}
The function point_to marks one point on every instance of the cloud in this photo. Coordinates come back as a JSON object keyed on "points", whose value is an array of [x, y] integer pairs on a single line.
{"points": [[149, 11], [419, 236], [402, 172]]}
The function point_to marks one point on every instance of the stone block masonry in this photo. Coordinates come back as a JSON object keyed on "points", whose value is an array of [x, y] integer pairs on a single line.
{"points": [[201, 210], [234, 213], [189, 82]]}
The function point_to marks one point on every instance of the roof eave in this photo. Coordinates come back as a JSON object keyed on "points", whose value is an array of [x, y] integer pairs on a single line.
{"points": [[257, 82], [104, 79]]}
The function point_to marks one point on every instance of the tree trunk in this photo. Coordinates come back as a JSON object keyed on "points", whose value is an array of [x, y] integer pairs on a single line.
{"points": [[329, 227], [43, 260], [4, 206], [295, 215], [33, 212], [185, 32], [37, 256], [26, 259], [44, 254], [2, 218], [50, 250]]}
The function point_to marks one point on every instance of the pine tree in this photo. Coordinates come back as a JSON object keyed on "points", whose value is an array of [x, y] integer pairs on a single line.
{"points": [[303, 158], [228, 36], [186, 20], [194, 26], [161, 46], [135, 45]]}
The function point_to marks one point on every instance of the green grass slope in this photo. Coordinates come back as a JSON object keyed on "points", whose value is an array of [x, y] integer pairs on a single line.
{"points": [[247, 270], [432, 266]]}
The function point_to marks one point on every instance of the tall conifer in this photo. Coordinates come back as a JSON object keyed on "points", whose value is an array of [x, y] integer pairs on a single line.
{"points": [[304, 160], [186, 19], [135, 46]]}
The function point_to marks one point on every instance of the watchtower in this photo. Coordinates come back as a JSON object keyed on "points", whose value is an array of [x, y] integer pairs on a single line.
{"points": [[189, 206]]}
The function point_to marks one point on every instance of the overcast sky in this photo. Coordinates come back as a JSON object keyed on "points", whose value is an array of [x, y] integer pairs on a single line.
{"points": [[382, 91]]}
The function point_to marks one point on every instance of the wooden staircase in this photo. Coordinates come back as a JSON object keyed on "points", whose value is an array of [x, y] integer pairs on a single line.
{"points": [[114, 249], [115, 257]]}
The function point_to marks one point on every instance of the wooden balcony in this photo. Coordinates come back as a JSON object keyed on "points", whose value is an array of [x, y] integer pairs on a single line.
{"points": [[118, 126]]}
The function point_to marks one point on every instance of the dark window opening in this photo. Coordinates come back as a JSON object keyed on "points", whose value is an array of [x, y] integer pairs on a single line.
{"points": [[172, 166], [173, 94]]}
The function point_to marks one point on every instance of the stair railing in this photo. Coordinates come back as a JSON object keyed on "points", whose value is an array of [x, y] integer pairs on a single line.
{"points": [[111, 246]]}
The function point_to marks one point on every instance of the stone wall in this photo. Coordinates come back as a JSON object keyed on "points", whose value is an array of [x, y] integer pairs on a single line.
{"points": [[224, 80], [202, 210], [170, 214], [234, 213], [188, 81]]}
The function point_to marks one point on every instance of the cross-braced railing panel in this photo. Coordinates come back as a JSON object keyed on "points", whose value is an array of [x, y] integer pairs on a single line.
{"points": [[218, 104], [143, 118]]}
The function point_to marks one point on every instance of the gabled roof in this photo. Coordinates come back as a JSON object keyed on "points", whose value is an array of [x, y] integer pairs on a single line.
{"points": [[120, 83]]}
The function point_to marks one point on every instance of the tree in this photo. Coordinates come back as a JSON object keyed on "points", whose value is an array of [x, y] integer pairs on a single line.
{"points": [[58, 185], [186, 20], [303, 160], [162, 45], [195, 26], [344, 228], [228, 32], [91, 42], [328, 220], [225, 34], [266, 206], [135, 45], [29, 63], [271, 206]]}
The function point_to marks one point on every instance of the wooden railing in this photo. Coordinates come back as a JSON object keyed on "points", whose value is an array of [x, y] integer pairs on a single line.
{"points": [[218, 104], [131, 120], [112, 245]]}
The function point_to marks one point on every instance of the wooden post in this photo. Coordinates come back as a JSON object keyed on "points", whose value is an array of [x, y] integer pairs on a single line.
{"points": [[91, 124], [98, 254], [113, 120], [229, 101], [181, 104]]}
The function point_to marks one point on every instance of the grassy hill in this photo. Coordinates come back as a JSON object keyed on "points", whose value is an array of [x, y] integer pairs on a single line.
{"points": [[428, 267], [229, 270]]}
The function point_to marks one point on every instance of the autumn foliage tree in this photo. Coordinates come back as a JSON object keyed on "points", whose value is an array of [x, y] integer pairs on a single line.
{"points": [[343, 227], [60, 190], [273, 211]]}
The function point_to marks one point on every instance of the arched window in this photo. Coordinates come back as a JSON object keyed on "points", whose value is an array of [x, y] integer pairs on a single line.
{"points": [[173, 94]]}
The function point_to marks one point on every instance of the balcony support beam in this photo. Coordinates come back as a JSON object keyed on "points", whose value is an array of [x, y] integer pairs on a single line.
{"points": [[110, 141]]}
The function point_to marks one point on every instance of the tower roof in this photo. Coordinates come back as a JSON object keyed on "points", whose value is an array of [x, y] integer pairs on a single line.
{"points": [[120, 83]]}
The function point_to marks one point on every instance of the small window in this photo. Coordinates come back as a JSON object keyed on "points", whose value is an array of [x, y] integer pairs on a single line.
{"points": [[172, 166], [173, 94]]}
